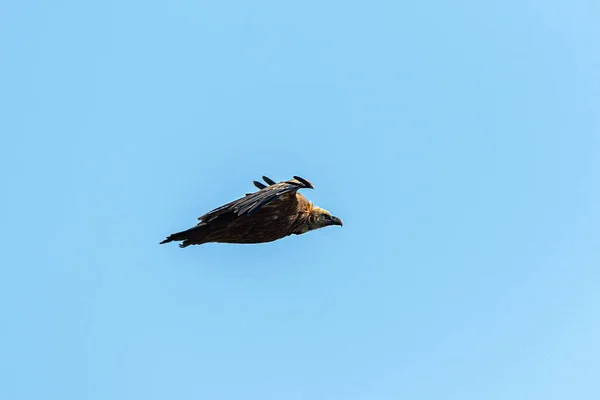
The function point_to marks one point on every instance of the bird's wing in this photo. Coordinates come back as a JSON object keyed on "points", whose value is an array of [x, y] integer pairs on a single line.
{"points": [[252, 202]]}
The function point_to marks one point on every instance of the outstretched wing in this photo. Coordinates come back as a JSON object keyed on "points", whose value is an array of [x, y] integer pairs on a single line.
{"points": [[252, 202]]}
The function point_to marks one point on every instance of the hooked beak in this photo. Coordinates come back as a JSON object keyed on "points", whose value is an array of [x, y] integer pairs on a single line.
{"points": [[337, 221]]}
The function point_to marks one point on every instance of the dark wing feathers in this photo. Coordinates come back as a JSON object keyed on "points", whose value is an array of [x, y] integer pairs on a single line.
{"points": [[268, 180], [259, 185], [252, 202], [307, 184], [257, 202]]}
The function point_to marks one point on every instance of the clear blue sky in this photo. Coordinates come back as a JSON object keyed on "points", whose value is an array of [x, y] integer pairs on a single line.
{"points": [[459, 142]]}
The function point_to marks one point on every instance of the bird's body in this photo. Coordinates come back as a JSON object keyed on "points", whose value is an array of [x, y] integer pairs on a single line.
{"points": [[272, 213]]}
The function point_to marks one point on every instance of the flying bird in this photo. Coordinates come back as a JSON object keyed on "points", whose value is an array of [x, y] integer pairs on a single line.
{"points": [[273, 212]]}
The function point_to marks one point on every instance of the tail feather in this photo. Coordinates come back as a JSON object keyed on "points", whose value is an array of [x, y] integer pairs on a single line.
{"points": [[189, 236]]}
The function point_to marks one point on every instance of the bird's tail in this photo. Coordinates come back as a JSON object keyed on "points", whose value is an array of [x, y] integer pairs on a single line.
{"points": [[190, 236], [169, 238]]}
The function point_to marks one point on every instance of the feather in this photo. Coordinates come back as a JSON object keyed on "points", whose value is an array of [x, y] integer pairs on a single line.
{"points": [[259, 185], [307, 184], [268, 180]]}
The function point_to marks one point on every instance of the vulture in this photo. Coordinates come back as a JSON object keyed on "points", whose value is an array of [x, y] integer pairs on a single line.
{"points": [[273, 212]]}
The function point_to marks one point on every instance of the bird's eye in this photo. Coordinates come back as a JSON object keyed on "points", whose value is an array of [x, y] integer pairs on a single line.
{"points": [[325, 216]]}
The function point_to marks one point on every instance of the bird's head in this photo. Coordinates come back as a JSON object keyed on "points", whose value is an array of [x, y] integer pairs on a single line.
{"points": [[320, 218]]}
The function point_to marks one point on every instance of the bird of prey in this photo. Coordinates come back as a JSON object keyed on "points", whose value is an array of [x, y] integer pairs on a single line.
{"points": [[273, 212]]}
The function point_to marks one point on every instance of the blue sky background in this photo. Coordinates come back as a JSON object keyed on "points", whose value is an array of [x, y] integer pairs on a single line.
{"points": [[458, 141]]}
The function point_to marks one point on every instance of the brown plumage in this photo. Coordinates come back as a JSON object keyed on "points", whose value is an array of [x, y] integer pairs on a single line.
{"points": [[275, 211]]}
